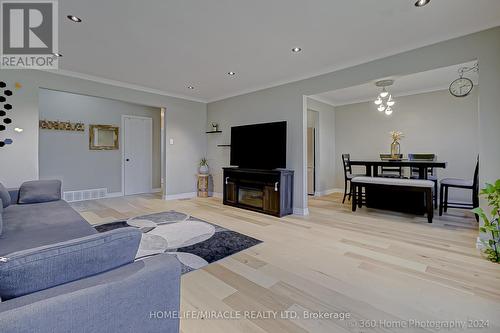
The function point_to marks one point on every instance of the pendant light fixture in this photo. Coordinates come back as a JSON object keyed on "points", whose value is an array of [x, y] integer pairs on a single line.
{"points": [[384, 100]]}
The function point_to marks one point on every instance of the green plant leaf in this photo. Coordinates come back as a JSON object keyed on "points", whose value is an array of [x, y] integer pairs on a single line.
{"points": [[490, 188]]}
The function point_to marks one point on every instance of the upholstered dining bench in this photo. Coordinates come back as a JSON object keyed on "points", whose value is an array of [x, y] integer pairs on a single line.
{"points": [[393, 184]]}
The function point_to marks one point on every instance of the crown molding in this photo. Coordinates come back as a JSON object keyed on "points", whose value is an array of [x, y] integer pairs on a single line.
{"points": [[121, 84], [321, 100], [409, 93]]}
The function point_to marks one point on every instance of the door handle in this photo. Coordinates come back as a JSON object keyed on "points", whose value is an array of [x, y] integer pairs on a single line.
{"points": [[227, 179], [276, 187]]}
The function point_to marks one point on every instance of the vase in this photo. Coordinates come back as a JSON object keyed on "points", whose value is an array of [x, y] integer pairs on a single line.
{"points": [[395, 150], [203, 169]]}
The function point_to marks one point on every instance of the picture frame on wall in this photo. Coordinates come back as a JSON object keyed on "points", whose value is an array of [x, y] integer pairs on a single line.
{"points": [[103, 137]]}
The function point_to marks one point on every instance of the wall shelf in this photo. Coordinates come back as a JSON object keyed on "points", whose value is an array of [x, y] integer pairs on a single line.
{"points": [[223, 145], [212, 132]]}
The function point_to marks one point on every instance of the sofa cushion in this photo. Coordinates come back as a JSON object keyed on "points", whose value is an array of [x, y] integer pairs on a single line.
{"points": [[37, 191], [33, 225], [5, 196], [40, 268]]}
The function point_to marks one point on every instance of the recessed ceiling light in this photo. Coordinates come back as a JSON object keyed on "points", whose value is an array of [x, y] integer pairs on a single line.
{"points": [[191, 87], [58, 55], [421, 3], [74, 18], [296, 49], [231, 73]]}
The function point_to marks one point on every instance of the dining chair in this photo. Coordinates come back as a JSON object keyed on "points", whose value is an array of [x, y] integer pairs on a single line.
{"points": [[431, 173], [390, 172], [348, 175], [472, 185]]}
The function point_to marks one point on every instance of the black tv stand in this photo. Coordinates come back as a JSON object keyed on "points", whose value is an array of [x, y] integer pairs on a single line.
{"points": [[265, 191]]}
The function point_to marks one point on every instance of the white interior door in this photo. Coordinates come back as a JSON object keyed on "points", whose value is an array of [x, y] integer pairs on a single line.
{"points": [[137, 154]]}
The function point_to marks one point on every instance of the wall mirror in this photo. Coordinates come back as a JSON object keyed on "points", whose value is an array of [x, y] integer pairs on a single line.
{"points": [[103, 137]]}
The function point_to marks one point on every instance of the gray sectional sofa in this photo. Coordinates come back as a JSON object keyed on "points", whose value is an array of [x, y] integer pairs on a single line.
{"points": [[57, 274]]}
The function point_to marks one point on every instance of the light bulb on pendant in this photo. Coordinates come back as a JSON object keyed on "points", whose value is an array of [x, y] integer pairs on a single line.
{"points": [[378, 101], [381, 108], [384, 93], [390, 101], [388, 111]]}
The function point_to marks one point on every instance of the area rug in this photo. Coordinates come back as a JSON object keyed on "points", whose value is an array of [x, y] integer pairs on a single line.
{"points": [[196, 243]]}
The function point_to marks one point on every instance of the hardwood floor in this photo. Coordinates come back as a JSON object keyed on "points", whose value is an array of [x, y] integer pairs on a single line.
{"points": [[385, 270]]}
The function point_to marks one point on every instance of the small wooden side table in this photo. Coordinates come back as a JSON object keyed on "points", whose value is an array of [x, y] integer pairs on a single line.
{"points": [[203, 185]]}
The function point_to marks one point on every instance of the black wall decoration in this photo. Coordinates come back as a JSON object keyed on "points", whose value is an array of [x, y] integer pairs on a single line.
{"points": [[5, 113]]}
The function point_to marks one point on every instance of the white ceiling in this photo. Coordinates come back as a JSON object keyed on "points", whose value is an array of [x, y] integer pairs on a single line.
{"points": [[434, 80], [167, 45]]}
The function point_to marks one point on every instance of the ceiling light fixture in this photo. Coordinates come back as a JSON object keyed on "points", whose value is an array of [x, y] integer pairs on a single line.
{"points": [[190, 87], [74, 18], [384, 99], [421, 3], [296, 49], [231, 73]]}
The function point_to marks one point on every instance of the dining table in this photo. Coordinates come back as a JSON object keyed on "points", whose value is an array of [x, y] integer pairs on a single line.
{"points": [[372, 165]]}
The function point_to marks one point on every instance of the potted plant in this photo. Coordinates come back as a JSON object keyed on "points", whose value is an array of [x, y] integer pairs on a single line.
{"points": [[203, 169], [491, 223], [215, 127]]}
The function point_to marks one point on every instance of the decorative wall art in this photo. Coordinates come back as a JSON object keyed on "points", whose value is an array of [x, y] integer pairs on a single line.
{"points": [[103, 137], [61, 125], [5, 112]]}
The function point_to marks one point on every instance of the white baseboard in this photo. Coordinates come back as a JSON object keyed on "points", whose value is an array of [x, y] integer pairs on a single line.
{"points": [[114, 195], [301, 211], [329, 191], [188, 195]]}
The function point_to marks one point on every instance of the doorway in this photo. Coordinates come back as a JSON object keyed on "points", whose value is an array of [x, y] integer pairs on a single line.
{"points": [[137, 140], [311, 158], [312, 155]]}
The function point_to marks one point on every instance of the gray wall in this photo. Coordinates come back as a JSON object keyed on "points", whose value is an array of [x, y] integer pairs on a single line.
{"points": [[259, 107], [66, 155], [286, 102], [325, 145], [432, 123], [185, 122]]}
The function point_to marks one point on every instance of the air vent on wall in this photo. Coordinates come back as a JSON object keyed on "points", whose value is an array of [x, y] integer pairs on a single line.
{"points": [[92, 194]]}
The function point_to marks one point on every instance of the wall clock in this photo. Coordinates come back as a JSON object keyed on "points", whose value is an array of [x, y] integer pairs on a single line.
{"points": [[461, 87]]}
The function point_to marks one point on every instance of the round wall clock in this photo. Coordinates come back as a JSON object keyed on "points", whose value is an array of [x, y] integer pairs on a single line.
{"points": [[461, 87]]}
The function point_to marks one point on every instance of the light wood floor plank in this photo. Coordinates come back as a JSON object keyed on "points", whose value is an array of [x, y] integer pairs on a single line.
{"points": [[372, 264]]}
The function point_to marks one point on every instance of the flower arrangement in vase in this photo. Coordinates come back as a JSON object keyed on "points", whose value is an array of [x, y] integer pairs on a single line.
{"points": [[395, 146]]}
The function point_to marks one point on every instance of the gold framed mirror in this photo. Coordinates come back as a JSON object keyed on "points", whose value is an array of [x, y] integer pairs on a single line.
{"points": [[103, 137]]}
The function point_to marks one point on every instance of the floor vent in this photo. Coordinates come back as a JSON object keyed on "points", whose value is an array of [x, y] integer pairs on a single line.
{"points": [[97, 193]]}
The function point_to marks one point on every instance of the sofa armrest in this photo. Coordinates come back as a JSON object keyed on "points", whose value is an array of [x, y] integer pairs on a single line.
{"points": [[126, 299], [14, 195]]}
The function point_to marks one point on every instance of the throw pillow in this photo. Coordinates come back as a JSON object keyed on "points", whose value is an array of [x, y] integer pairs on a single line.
{"points": [[37, 191], [4, 195]]}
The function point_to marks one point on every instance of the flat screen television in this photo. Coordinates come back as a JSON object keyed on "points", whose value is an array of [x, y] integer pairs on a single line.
{"points": [[259, 146]]}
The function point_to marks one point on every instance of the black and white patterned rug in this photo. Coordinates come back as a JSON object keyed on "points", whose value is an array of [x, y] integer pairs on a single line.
{"points": [[195, 242]]}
